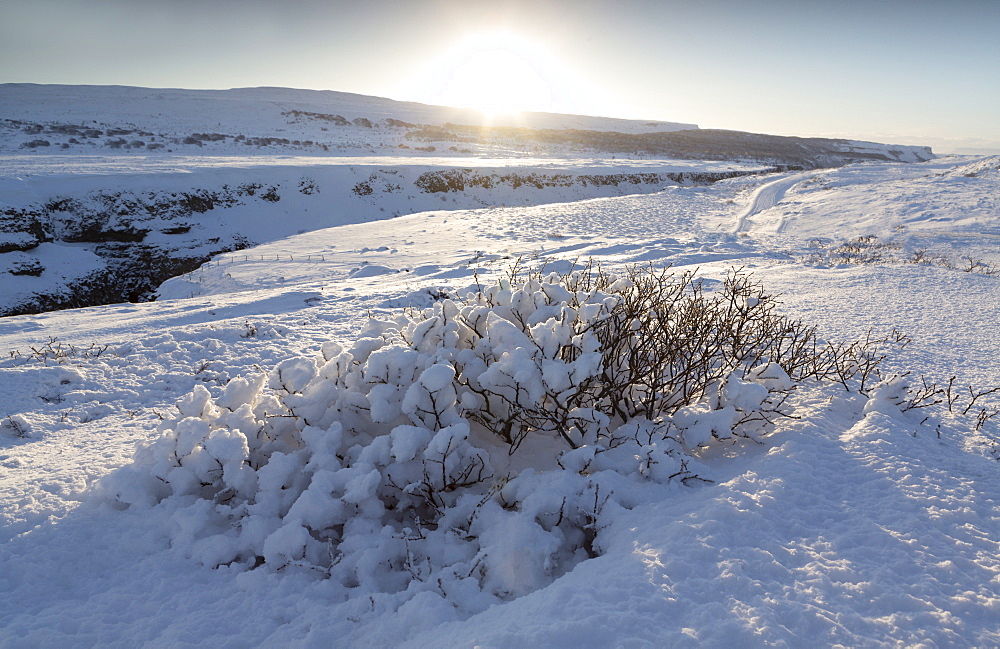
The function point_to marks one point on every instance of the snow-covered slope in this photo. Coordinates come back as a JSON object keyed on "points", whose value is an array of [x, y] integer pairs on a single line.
{"points": [[855, 525], [117, 119], [264, 110]]}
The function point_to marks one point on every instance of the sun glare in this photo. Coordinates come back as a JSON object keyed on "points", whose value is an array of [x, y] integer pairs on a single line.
{"points": [[497, 73], [497, 80]]}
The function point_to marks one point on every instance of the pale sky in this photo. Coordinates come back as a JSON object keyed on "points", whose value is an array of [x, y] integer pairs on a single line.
{"points": [[900, 71]]}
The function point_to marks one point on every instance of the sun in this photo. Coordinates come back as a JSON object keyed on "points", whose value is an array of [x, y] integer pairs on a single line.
{"points": [[497, 80], [497, 73]]}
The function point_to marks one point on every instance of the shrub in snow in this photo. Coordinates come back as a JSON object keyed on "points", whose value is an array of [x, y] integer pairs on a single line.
{"points": [[15, 426], [477, 447], [58, 352], [868, 249]]}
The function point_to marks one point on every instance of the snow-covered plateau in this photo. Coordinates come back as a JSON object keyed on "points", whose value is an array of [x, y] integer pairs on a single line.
{"points": [[734, 408]]}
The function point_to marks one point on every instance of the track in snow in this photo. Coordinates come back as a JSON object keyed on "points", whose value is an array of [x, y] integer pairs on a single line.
{"points": [[767, 196]]}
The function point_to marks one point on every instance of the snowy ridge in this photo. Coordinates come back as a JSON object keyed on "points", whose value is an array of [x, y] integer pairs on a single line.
{"points": [[901, 153]]}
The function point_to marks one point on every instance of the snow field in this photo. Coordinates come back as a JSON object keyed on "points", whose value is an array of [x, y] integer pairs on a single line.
{"points": [[855, 525], [191, 208], [825, 538]]}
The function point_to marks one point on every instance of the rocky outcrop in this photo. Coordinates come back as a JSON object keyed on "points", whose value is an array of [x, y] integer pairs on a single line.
{"points": [[460, 180]]}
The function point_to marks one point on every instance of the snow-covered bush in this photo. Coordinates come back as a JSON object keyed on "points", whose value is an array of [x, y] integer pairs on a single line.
{"points": [[477, 447], [15, 426]]}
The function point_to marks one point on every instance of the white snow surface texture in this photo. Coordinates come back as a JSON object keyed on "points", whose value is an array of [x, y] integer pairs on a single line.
{"points": [[856, 524]]}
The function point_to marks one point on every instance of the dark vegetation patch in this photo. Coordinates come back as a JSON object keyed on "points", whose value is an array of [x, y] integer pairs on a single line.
{"points": [[700, 144], [68, 136], [459, 180]]}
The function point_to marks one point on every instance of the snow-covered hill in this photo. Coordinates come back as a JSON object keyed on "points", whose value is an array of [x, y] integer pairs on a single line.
{"points": [[117, 119], [857, 524], [242, 120], [266, 110]]}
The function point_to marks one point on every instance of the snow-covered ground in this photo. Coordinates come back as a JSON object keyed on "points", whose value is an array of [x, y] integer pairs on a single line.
{"points": [[105, 191], [27, 166], [255, 199], [109, 120], [261, 108], [854, 525]]}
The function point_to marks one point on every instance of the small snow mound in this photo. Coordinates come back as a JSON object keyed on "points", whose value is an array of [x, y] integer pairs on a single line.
{"points": [[977, 168], [371, 270]]}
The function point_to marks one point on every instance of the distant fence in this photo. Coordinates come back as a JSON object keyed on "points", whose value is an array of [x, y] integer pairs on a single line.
{"points": [[232, 259]]}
